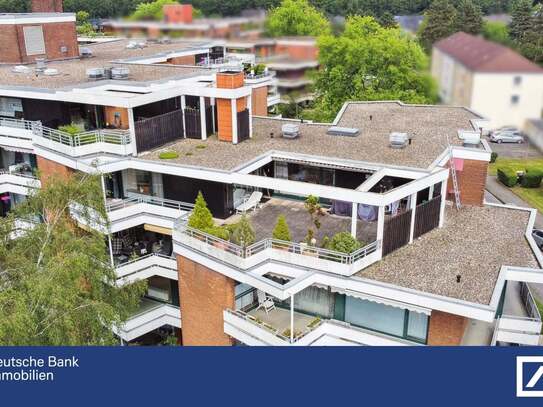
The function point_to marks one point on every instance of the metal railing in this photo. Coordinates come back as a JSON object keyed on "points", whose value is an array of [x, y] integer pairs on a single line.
{"points": [[529, 302], [152, 200], [269, 243], [143, 258], [16, 123], [260, 75], [217, 61], [109, 136], [18, 174]]}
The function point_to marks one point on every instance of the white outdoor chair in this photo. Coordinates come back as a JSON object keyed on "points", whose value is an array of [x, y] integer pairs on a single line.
{"points": [[251, 203], [264, 301]]}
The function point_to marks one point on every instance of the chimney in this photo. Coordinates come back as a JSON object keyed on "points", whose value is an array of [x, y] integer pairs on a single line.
{"points": [[46, 6]]}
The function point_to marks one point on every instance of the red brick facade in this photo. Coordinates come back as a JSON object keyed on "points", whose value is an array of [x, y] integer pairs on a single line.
{"points": [[47, 168], [471, 182], [204, 294], [60, 42], [446, 329]]}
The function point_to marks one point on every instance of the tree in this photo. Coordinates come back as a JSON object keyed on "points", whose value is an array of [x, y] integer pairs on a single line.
{"points": [[201, 217], [57, 286], [369, 62], [296, 17], [469, 17], [14, 6], [244, 234], [521, 19], [387, 20], [439, 22], [151, 11], [343, 242], [497, 32], [281, 230]]}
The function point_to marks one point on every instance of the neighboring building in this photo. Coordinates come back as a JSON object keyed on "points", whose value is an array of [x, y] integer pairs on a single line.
{"points": [[425, 273], [489, 78], [534, 131]]}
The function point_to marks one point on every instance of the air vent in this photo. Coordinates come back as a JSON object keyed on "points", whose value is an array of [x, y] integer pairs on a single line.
{"points": [[21, 69], [95, 73], [136, 45], [40, 64], [343, 131], [51, 72], [399, 140], [469, 137], [290, 131], [120, 73], [85, 52]]}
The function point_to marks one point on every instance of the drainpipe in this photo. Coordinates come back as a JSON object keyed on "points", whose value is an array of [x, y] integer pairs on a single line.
{"points": [[292, 318]]}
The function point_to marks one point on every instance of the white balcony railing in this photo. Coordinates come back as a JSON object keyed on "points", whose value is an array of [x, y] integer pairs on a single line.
{"points": [[273, 249], [153, 264], [17, 183], [16, 133]]}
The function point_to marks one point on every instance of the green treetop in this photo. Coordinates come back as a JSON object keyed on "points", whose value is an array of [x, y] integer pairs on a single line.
{"points": [[469, 17], [439, 22], [281, 230], [296, 17], [201, 217]]}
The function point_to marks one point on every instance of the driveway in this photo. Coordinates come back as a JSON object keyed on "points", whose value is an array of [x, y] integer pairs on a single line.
{"points": [[513, 150]]}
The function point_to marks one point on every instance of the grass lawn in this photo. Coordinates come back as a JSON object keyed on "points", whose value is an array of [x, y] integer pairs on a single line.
{"points": [[534, 196], [515, 164]]}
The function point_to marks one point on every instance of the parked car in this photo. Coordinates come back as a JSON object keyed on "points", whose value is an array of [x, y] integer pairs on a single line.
{"points": [[538, 237], [507, 135]]}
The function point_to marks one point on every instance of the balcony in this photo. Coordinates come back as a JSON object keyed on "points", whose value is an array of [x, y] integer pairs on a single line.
{"points": [[16, 133], [133, 211], [110, 141], [17, 182], [257, 328], [267, 249], [151, 315], [520, 322], [153, 264]]}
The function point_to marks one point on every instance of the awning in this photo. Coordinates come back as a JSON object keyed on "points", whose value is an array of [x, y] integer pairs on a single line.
{"points": [[157, 229], [16, 149]]}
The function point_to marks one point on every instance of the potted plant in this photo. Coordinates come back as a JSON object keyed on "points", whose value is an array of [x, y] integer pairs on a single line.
{"points": [[281, 231], [201, 217], [344, 242], [314, 210], [244, 234]]}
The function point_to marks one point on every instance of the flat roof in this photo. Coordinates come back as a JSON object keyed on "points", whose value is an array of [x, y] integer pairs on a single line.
{"points": [[74, 71], [475, 242], [430, 126]]}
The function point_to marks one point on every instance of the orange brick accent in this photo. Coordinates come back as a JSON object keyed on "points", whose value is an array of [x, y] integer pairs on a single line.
{"points": [[259, 101], [230, 80], [224, 119], [109, 115], [471, 182], [47, 168], [446, 329], [177, 13], [298, 51], [204, 294], [185, 60]]}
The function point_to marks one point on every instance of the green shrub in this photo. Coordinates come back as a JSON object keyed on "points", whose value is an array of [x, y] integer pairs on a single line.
{"points": [[244, 234], [201, 146], [493, 157], [281, 230], [507, 176], [531, 179], [343, 242], [72, 129], [534, 170], [218, 231], [168, 155], [201, 217]]}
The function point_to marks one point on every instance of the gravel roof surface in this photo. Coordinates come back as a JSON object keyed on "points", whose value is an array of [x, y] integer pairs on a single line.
{"points": [[428, 125], [74, 71], [475, 242]]}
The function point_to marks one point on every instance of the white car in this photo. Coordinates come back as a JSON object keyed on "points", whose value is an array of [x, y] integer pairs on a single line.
{"points": [[507, 135]]}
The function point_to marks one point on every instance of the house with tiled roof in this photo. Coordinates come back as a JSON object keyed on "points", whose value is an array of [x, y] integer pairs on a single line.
{"points": [[489, 78]]}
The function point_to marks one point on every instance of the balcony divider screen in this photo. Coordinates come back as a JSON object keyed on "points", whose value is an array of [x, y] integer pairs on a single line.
{"points": [[243, 125], [396, 232], [192, 123], [209, 120], [159, 130], [427, 216]]}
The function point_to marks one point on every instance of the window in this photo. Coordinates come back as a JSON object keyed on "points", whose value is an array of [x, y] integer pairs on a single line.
{"points": [[517, 80], [34, 42], [515, 99]]}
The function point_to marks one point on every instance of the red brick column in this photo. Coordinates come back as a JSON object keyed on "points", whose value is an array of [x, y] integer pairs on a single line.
{"points": [[446, 329], [471, 182], [204, 294], [48, 168]]}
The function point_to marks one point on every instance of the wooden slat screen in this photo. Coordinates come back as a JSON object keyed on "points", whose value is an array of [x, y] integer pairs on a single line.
{"points": [[396, 232], [427, 216], [159, 130], [243, 125], [192, 123]]}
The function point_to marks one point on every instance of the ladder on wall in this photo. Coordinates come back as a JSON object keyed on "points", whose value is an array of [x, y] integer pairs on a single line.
{"points": [[452, 167]]}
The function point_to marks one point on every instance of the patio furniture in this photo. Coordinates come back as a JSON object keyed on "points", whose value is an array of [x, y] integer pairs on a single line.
{"points": [[251, 203], [264, 301]]}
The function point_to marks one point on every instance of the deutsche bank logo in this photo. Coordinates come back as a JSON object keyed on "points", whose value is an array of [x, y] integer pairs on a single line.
{"points": [[529, 376]]}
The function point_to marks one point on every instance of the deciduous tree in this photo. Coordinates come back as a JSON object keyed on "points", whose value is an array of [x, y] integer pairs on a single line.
{"points": [[296, 17]]}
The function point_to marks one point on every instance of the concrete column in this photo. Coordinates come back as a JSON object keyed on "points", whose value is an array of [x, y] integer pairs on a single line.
{"points": [[234, 107], [212, 100], [132, 130], [183, 105], [292, 318], [413, 207], [354, 218], [443, 199], [250, 108], [203, 117], [431, 192], [381, 228]]}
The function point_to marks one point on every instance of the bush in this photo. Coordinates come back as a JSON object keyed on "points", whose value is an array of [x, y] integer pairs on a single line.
{"points": [[72, 129], [201, 217], [534, 171], [218, 231], [281, 230], [168, 155], [343, 242], [493, 157], [507, 176], [531, 179], [244, 234]]}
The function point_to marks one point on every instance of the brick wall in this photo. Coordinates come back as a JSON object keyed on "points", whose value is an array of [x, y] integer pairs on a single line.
{"points": [[46, 6], [224, 119], [230, 80], [204, 294], [298, 51], [259, 101], [55, 36], [47, 168], [471, 182], [177, 13], [185, 60], [446, 329], [109, 116]]}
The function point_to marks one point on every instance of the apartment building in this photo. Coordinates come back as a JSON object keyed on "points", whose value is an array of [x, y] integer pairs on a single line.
{"points": [[426, 271], [489, 78]]}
